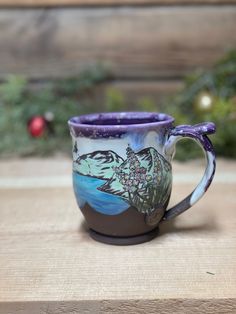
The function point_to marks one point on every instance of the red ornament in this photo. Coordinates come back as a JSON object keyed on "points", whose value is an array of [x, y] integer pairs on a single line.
{"points": [[37, 126]]}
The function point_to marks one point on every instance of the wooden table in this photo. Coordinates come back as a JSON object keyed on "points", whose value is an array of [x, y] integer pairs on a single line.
{"points": [[49, 264]]}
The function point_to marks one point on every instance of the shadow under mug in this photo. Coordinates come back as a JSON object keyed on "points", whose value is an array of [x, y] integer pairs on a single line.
{"points": [[122, 173]]}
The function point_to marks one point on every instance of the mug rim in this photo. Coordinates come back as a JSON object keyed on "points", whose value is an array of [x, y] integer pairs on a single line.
{"points": [[87, 120], [84, 125]]}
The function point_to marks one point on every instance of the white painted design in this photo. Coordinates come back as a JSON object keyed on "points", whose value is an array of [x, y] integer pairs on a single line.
{"points": [[200, 190], [137, 142]]}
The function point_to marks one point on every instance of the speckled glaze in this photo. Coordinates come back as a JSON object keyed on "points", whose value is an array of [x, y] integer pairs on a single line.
{"points": [[122, 173], [116, 124]]}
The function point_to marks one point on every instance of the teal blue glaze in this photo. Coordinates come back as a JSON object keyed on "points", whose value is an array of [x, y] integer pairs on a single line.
{"points": [[85, 189]]}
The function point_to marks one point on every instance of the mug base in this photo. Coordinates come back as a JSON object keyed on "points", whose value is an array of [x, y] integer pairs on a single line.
{"points": [[124, 240]]}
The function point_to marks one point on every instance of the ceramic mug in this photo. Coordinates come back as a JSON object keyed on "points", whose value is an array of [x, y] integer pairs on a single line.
{"points": [[122, 173]]}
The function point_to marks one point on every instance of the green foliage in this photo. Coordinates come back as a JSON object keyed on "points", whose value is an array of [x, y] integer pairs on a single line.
{"points": [[115, 100], [12, 91], [74, 96], [220, 85], [147, 104], [64, 98]]}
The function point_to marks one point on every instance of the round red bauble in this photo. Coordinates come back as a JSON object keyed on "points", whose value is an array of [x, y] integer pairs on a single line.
{"points": [[37, 126]]}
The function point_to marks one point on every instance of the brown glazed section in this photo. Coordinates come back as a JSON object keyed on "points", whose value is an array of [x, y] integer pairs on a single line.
{"points": [[126, 224]]}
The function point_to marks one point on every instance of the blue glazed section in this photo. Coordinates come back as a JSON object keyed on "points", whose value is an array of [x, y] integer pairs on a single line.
{"points": [[86, 191], [136, 140]]}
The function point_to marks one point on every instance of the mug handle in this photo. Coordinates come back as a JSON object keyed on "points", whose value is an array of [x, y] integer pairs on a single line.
{"points": [[197, 133]]}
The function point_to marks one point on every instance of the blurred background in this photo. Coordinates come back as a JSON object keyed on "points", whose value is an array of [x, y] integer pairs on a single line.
{"points": [[68, 57]]}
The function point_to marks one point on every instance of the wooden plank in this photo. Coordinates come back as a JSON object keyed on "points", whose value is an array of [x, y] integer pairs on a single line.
{"points": [[135, 92], [168, 306], [133, 42], [39, 3], [46, 257], [48, 263], [132, 90], [15, 175]]}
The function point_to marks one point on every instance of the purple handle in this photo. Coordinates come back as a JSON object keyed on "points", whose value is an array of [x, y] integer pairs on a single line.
{"points": [[198, 133]]}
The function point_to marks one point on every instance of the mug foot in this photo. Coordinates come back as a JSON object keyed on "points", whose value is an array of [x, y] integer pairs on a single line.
{"points": [[124, 240]]}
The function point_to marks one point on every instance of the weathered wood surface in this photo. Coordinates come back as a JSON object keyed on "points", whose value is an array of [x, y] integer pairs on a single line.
{"points": [[148, 42], [165, 306], [155, 94], [137, 91], [49, 265], [36, 3]]}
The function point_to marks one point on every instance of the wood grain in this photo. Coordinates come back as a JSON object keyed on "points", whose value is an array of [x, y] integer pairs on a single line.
{"points": [[168, 306], [39, 3], [135, 92], [49, 265], [149, 42]]}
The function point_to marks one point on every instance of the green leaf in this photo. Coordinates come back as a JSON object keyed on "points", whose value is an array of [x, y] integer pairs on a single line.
{"points": [[12, 90]]}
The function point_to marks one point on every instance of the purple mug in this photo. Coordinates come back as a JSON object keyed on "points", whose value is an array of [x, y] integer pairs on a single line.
{"points": [[122, 173]]}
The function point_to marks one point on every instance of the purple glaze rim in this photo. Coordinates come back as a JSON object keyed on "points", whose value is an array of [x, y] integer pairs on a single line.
{"points": [[82, 125]]}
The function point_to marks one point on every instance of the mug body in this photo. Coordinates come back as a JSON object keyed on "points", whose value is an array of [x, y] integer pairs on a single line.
{"points": [[121, 176]]}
